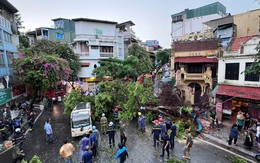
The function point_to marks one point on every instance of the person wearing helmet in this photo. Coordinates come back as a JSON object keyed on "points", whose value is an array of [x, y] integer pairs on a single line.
{"points": [[93, 142], [141, 121], [96, 132], [163, 127], [116, 120], [156, 133], [111, 134], [103, 123]]}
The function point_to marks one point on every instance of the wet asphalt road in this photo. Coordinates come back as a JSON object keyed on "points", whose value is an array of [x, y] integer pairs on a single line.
{"points": [[139, 145]]}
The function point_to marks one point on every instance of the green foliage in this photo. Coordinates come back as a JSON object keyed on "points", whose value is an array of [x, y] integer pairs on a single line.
{"points": [[23, 42], [182, 126], [172, 160], [235, 159], [75, 97], [187, 109], [162, 57], [35, 159], [150, 116], [137, 63]]}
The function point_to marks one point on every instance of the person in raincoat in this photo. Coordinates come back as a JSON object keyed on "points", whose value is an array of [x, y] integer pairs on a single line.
{"points": [[141, 121]]}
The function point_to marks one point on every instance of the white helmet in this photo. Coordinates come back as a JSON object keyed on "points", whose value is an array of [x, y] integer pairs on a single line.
{"points": [[110, 123], [103, 114], [17, 130]]}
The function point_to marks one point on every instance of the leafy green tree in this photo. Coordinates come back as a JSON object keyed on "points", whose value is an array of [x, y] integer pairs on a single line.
{"points": [[136, 64], [75, 97], [144, 64], [162, 58], [23, 42], [40, 72]]}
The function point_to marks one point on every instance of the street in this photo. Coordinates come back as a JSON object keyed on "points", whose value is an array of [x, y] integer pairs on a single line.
{"points": [[139, 145]]}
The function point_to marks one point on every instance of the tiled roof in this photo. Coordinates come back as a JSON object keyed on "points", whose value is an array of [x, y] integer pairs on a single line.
{"points": [[239, 91], [199, 45], [238, 41], [196, 60]]}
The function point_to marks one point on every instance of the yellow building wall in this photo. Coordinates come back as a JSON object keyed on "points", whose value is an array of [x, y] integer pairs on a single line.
{"points": [[247, 23]]}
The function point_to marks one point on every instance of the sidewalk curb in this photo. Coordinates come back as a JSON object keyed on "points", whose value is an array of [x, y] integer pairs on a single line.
{"points": [[236, 148]]}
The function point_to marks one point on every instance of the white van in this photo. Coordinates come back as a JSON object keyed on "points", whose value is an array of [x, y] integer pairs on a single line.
{"points": [[80, 119]]}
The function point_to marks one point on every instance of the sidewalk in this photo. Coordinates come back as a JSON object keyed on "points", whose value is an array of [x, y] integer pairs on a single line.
{"points": [[220, 135], [24, 126]]}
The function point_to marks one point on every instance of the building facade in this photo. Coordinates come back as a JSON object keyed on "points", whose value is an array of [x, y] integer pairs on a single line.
{"points": [[190, 21], [63, 31], [237, 90], [8, 43], [95, 40], [194, 66]]}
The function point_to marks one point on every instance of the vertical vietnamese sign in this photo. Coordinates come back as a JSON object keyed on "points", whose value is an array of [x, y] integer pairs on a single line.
{"points": [[5, 96]]}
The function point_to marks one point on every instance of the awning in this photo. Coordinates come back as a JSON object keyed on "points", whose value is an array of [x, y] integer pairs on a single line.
{"points": [[239, 91], [85, 64], [196, 60]]}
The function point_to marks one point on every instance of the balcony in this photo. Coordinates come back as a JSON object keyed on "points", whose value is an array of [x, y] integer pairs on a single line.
{"points": [[194, 76], [102, 54]]}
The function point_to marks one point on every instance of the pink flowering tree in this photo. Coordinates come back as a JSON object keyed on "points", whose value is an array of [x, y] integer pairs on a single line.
{"points": [[40, 72]]}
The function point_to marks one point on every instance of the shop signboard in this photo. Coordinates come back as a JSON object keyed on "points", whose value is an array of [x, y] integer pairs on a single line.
{"points": [[5, 96], [219, 105]]}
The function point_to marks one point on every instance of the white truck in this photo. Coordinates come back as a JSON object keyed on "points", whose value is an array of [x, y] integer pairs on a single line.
{"points": [[80, 119]]}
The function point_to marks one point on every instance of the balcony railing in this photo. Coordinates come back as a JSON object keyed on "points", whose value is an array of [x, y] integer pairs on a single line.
{"points": [[102, 54], [194, 76]]}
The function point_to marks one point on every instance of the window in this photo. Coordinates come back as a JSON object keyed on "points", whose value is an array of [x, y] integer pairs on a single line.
{"points": [[8, 37], [2, 61], [241, 49], [106, 49], [59, 36], [195, 68], [251, 77], [83, 47], [94, 47], [232, 71]]}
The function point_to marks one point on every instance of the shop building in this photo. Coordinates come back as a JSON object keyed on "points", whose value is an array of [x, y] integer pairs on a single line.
{"points": [[237, 90], [194, 65]]}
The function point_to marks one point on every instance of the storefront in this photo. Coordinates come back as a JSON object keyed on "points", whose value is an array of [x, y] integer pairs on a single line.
{"points": [[231, 99]]}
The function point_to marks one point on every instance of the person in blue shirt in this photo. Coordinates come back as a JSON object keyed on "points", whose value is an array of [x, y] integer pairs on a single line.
{"points": [[93, 141], [173, 134], [233, 134], [122, 153], [85, 141], [87, 156], [48, 131]]}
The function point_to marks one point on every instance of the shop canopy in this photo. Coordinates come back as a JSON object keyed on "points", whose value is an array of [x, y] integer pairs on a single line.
{"points": [[252, 93]]}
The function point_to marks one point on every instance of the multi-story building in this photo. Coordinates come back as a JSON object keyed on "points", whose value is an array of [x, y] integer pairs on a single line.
{"points": [[63, 31], [8, 43], [194, 66], [231, 26], [126, 30], [190, 21], [238, 90], [96, 40]]}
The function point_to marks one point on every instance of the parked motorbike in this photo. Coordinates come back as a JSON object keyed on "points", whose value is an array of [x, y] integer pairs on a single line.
{"points": [[18, 137]]}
